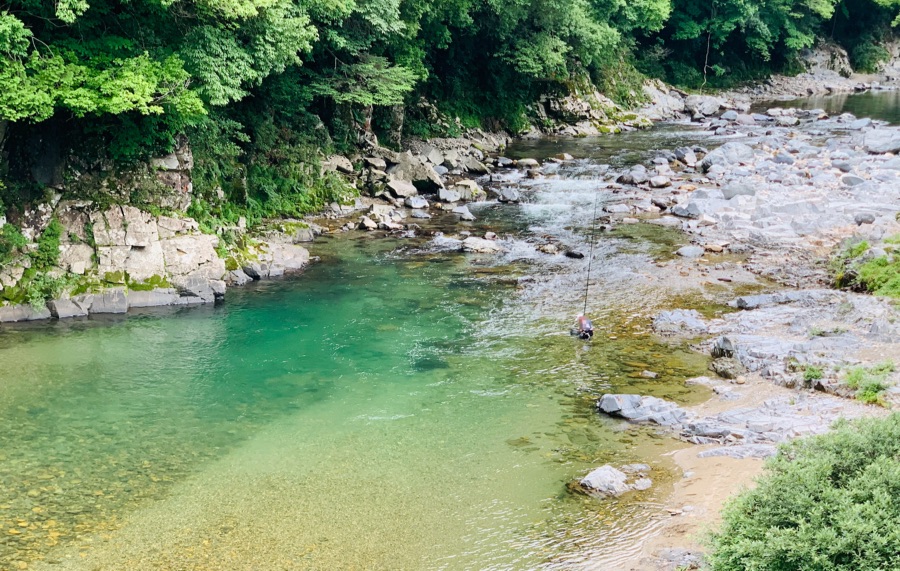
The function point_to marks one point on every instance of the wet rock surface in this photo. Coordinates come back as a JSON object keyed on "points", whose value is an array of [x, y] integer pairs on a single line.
{"points": [[609, 482]]}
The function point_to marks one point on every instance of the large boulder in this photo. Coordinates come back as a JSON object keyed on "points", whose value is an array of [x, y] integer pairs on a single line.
{"points": [[469, 190], [472, 164], [412, 169], [606, 481], [733, 189], [109, 301], [290, 257], [65, 308], [153, 298], [194, 287], [879, 141], [402, 188], [449, 195], [13, 313], [193, 254], [703, 104], [732, 153]]}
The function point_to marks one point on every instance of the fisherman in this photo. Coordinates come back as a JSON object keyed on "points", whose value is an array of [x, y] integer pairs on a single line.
{"points": [[583, 329]]}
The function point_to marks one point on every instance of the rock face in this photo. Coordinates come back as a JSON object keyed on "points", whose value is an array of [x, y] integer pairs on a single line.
{"points": [[135, 246], [174, 171], [131, 259]]}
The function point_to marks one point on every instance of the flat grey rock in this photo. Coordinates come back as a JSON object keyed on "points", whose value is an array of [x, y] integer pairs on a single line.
{"points": [[636, 408], [690, 251]]}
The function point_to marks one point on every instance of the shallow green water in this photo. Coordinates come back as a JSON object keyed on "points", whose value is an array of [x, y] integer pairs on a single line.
{"points": [[396, 407], [368, 415]]}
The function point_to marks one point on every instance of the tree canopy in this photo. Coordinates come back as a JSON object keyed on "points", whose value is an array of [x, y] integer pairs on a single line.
{"points": [[130, 76]]}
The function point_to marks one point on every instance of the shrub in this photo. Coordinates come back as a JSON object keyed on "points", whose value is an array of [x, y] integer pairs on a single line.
{"points": [[11, 242], [829, 502], [870, 390], [812, 373], [868, 54], [870, 382], [880, 276], [42, 287], [855, 377], [47, 254]]}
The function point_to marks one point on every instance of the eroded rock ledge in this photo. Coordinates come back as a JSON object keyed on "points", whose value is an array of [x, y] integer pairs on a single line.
{"points": [[121, 257]]}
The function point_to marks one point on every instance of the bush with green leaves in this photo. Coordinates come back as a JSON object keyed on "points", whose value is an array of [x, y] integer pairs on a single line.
{"points": [[11, 243], [869, 382], [855, 268], [825, 503]]}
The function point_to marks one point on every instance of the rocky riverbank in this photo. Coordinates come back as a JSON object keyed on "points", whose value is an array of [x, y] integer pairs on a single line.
{"points": [[783, 192], [115, 257]]}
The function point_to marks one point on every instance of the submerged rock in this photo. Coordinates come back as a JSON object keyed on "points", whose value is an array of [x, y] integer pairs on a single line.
{"points": [[607, 481]]}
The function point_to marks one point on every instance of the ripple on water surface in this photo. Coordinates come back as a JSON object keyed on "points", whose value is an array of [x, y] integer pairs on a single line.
{"points": [[383, 412]]}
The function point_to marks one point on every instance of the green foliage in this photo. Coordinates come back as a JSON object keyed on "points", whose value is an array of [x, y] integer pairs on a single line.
{"points": [[825, 502], [851, 268], [370, 81], [870, 382], [41, 287], [46, 255], [870, 391], [855, 377], [11, 243], [867, 54], [880, 276], [812, 373]]}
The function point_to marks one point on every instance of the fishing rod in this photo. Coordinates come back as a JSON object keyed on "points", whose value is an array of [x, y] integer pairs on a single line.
{"points": [[587, 283]]}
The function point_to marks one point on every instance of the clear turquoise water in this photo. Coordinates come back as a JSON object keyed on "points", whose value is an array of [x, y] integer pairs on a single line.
{"points": [[387, 410]]}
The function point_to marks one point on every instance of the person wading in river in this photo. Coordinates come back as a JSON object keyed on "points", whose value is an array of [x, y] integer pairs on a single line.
{"points": [[583, 329]]}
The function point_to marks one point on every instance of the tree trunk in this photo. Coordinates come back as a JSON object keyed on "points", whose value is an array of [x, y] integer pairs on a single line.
{"points": [[3, 129]]}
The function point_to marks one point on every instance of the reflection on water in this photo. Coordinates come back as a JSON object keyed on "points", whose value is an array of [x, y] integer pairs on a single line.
{"points": [[618, 150], [884, 105], [394, 408]]}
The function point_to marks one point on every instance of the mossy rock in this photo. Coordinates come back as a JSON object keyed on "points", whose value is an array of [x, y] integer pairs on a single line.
{"points": [[119, 277], [150, 284]]}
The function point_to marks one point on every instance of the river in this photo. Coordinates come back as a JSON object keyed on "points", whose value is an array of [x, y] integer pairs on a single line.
{"points": [[398, 406]]}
